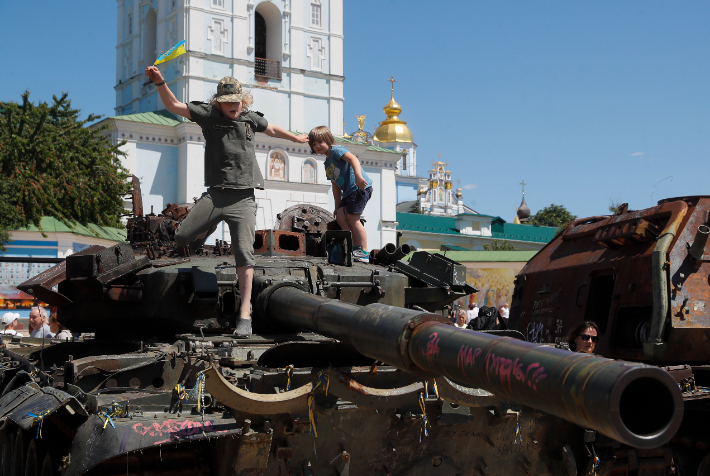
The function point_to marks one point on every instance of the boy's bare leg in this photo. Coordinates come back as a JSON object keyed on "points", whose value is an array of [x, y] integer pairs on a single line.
{"points": [[341, 218], [358, 231], [245, 275]]}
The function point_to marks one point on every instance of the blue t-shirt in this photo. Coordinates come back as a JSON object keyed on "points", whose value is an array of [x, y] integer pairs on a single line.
{"points": [[341, 172]]}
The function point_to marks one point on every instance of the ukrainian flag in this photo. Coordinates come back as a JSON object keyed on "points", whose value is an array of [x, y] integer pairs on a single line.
{"points": [[173, 52]]}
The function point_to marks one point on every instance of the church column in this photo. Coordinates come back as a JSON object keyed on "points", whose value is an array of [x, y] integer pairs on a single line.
{"points": [[190, 163]]}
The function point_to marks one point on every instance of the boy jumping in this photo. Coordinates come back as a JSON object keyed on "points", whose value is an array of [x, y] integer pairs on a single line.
{"points": [[352, 188]]}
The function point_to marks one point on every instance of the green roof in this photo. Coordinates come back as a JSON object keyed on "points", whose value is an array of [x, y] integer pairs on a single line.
{"points": [[513, 231], [161, 118], [500, 231], [53, 225], [488, 256], [427, 223]]}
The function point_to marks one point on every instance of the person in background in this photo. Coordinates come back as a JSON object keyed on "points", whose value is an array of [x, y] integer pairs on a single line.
{"points": [[584, 337], [59, 330], [472, 312], [504, 311], [9, 322], [38, 324], [461, 320]]}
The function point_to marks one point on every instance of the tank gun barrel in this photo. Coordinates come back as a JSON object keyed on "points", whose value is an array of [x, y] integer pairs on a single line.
{"points": [[636, 404]]}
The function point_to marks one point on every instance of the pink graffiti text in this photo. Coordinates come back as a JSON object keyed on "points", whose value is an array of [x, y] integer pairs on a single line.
{"points": [[432, 347], [175, 429]]}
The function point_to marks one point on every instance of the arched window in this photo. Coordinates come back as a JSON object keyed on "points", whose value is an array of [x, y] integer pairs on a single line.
{"points": [[267, 40], [149, 35], [276, 166], [260, 37], [309, 171]]}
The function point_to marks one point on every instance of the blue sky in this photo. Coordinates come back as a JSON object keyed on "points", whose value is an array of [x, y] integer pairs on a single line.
{"points": [[587, 101]]}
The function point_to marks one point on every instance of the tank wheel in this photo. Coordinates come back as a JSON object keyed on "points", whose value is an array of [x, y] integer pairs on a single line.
{"points": [[31, 462], [47, 469], [18, 454]]}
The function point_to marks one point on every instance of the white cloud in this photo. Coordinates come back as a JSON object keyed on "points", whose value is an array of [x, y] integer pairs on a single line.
{"points": [[470, 186], [636, 154]]}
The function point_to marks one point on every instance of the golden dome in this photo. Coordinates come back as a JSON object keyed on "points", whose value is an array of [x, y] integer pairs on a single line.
{"points": [[393, 129], [458, 193]]}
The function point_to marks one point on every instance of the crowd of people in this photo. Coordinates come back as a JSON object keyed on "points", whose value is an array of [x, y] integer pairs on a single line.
{"points": [[582, 338], [41, 325], [483, 318]]}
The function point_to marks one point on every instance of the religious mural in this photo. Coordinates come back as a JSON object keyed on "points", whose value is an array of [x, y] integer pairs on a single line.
{"points": [[309, 172], [277, 167], [495, 286]]}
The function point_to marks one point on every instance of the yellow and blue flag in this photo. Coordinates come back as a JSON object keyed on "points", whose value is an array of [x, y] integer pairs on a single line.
{"points": [[173, 52]]}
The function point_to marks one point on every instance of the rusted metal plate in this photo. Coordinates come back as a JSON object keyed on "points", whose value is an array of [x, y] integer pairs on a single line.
{"points": [[279, 243], [253, 452], [305, 218]]}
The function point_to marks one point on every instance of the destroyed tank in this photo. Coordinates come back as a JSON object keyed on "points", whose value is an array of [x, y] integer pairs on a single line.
{"points": [[643, 277], [352, 368]]}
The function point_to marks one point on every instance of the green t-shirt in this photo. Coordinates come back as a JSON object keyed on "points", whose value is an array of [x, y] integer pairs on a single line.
{"points": [[230, 160]]}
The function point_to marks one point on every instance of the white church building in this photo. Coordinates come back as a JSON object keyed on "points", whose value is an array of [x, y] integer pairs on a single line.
{"points": [[289, 55]]}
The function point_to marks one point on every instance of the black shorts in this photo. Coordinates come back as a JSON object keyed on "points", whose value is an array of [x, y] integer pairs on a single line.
{"points": [[355, 202]]}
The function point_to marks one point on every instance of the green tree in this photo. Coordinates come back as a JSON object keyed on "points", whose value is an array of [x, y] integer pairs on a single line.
{"points": [[554, 215], [495, 245], [52, 165]]}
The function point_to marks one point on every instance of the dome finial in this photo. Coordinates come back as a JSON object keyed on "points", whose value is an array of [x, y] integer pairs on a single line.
{"points": [[523, 213], [393, 129], [392, 80]]}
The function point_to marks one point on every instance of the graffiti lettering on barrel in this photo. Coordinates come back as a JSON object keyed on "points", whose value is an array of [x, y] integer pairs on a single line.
{"points": [[175, 429], [432, 347], [503, 368], [467, 357]]}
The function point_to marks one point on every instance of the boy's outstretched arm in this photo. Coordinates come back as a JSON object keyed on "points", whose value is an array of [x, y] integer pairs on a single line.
{"points": [[277, 131], [166, 95], [357, 170]]}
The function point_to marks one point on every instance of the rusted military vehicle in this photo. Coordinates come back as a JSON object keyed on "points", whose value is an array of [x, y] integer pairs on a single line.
{"points": [[643, 278], [350, 370]]}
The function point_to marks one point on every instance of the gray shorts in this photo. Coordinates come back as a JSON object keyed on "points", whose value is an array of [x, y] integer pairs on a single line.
{"points": [[237, 207]]}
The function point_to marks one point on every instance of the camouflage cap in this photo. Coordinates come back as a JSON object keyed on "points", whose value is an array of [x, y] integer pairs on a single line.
{"points": [[229, 90]]}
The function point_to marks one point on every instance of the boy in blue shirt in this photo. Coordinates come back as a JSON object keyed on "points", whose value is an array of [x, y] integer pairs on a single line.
{"points": [[352, 188]]}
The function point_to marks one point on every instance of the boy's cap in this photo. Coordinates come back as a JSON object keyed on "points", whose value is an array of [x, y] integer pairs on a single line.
{"points": [[229, 90], [9, 317]]}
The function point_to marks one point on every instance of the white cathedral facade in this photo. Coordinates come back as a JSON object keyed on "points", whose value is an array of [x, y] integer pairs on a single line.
{"points": [[289, 55]]}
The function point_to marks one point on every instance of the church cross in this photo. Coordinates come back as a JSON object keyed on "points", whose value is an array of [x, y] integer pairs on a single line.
{"points": [[392, 80], [523, 184]]}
